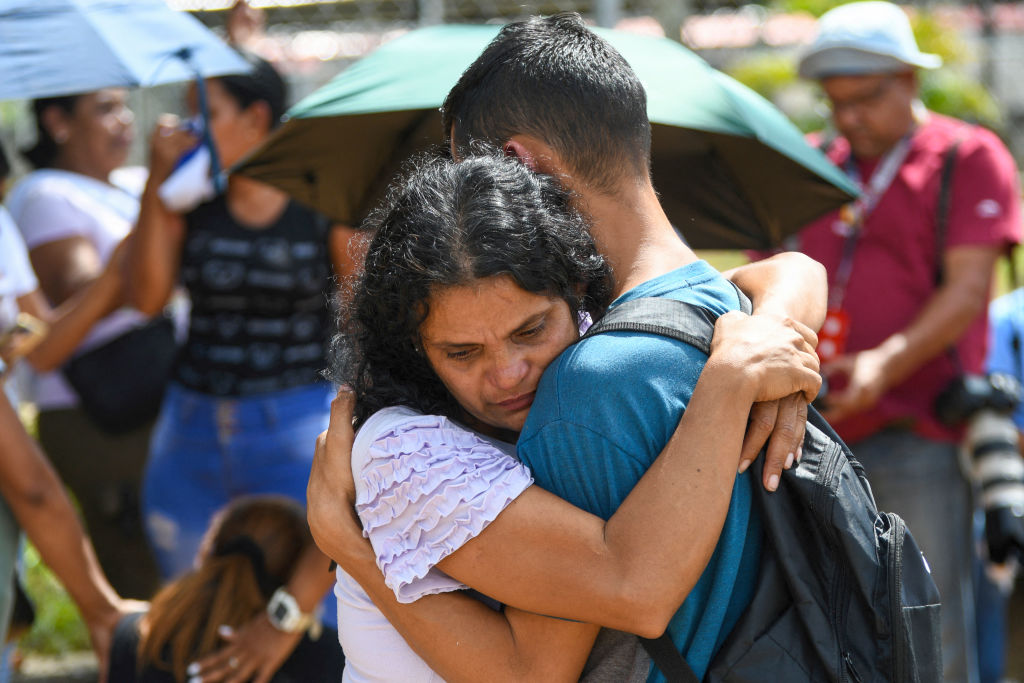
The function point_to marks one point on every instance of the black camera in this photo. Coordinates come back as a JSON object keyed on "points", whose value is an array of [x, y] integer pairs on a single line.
{"points": [[969, 394], [985, 403]]}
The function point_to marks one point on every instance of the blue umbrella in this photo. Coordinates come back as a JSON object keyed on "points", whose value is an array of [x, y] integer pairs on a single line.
{"points": [[63, 47]]}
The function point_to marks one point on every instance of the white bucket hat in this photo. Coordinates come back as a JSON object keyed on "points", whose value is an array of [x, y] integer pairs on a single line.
{"points": [[864, 38]]}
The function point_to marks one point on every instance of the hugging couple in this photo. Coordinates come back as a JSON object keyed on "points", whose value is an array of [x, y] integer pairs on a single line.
{"points": [[566, 498]]}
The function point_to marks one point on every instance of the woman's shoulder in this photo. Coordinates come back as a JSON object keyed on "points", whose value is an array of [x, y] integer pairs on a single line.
{"points": [[424, 486], [40, 183], [402, 432], [44, 199], [391, 420], [64, 190]]}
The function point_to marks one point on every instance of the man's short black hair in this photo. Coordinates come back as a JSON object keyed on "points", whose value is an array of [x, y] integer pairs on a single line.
{"points": [[554, 79]]}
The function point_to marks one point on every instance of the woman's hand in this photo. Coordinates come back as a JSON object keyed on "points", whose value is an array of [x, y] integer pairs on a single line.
{"points": [[774, 356], [255, 652], [775, 359], [330, 496], [21, 339], [166, 145]]}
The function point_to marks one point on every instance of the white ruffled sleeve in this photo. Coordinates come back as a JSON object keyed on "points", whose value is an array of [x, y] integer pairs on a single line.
{"points": [[425, 486]]}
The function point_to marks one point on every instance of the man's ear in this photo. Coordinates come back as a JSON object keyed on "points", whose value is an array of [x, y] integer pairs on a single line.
{"points": [[535, 154], [515, 147]]}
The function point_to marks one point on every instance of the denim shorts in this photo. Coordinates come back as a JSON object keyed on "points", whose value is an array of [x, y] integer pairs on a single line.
{"points": [[208, 450]]}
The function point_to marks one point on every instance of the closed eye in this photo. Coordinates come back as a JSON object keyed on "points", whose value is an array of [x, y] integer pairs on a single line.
{"points": [[459, 355], [533, 331]]}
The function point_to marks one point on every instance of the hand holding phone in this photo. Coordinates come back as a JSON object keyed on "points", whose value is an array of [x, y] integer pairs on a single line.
{"points": [[18, 340]]}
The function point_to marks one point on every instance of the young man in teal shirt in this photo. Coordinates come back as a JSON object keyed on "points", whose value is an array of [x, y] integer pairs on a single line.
{"points": [[555, 95], [552, 93]]}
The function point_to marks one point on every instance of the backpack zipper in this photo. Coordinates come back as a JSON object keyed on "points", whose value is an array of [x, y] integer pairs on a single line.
{"points": [[839, 596], [895, 594], [849, 666]]}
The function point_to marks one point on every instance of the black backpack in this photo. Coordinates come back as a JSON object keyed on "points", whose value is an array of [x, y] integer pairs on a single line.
{"points": [[843, 593]]}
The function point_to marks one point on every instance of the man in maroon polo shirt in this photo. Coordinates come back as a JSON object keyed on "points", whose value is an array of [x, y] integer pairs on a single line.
{"points": [[909, 282]]}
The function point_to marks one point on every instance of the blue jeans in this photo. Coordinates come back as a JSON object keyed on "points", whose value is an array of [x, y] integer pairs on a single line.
{"points": [[922, 482], [208, 450]]}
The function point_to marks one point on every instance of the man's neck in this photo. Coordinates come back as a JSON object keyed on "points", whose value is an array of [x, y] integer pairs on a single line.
{"points": [[634, 234]]}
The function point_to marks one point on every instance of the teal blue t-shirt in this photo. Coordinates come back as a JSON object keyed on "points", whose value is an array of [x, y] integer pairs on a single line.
{"points": [[602, 414]]}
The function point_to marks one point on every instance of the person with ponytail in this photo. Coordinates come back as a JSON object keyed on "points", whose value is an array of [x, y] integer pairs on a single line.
{"points": [[251, 549]]}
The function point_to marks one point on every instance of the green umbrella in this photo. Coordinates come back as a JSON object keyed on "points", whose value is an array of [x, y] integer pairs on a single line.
{"points": [[732, 171]]}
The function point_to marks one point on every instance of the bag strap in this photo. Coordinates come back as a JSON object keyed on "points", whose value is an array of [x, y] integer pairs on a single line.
{"points": [[669, 660], [942, 206], [693, 325], [688, 323], [942, 227]]}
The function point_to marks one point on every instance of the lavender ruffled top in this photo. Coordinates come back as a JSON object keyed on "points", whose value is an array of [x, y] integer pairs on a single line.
{"points": [[424, 486]]}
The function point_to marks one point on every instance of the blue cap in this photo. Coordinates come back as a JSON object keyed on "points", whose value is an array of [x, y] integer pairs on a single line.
{"points": [[864, 38]]}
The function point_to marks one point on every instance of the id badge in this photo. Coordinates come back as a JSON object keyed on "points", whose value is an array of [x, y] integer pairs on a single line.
{"points": [[833, 334]]}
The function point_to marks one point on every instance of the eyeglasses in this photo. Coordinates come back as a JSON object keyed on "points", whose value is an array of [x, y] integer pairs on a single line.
{"points": [[862, 102]]}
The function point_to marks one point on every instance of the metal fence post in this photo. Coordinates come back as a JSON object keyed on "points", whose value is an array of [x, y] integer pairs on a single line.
{"points": [[431, 12], [607, 12]]}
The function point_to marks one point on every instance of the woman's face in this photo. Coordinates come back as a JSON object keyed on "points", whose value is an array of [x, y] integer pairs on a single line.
{"points": [[235, 131], [97, 132], [489, 343]]}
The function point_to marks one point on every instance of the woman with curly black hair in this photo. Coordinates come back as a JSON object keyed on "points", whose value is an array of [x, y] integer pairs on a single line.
{"points": [[478, 275]]}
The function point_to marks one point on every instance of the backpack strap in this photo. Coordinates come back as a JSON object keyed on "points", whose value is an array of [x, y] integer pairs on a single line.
{"points": [[669, 660], [693, 325], [690, 324]]}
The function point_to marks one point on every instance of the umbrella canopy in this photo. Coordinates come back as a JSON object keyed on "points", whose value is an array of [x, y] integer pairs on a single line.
{"points": [[731, 170], [64, 47]]}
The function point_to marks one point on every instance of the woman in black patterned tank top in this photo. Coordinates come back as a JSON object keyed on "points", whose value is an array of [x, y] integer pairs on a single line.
{"points": [[247, 400]]}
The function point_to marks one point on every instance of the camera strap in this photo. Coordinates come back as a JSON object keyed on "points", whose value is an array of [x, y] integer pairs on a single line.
{"points": [[942, 228], [942, 205]]}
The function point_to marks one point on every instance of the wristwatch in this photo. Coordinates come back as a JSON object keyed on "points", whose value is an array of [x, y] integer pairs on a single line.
{"points": [[284, 613]]}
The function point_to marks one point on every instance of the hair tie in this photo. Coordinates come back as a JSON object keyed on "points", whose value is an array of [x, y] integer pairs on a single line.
{"points": [[247, 547]]}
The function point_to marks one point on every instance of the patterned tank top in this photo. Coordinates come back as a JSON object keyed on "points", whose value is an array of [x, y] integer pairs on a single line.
{"points": [[260, 301]]}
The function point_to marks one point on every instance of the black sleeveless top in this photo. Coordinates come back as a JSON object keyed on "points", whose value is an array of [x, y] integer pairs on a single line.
{"points": [[312, 661], [260, 313]]}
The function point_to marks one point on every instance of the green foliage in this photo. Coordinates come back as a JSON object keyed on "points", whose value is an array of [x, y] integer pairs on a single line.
{"points": [[58, 628], [765, 74], [951, 92], [773, 76], [935, 37]]}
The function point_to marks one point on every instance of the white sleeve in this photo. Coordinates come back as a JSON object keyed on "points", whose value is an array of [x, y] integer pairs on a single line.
{"points": [[14, 263], [427, 486], [46, 215]]}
